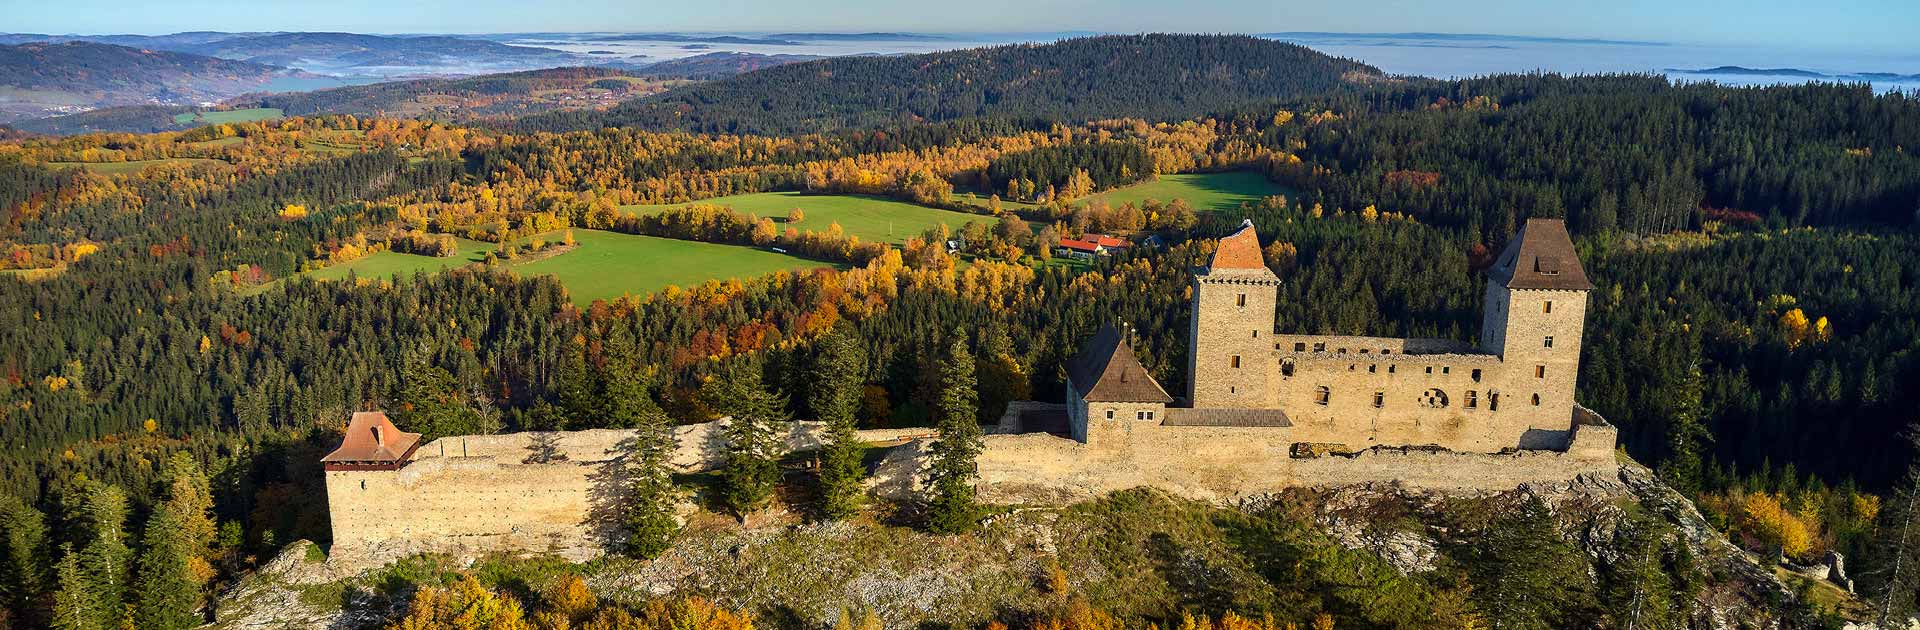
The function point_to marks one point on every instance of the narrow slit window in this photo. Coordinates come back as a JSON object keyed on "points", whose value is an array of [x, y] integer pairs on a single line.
{"points": [[1322, 395], [1547, 307], [1379, 399], [1539, 371], [1493, 401], [1236, 360], [1548, 342], [1240, 300]]}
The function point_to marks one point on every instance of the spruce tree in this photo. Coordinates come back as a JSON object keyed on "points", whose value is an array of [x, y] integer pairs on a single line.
{"points": [[432, 405], [167, 593], [647, 512], [1525, 576], [952, 464], [23, 561], [754, 437], [839, 375], [73, 601], [97, 512], [1892, 573], [1639, 590]]}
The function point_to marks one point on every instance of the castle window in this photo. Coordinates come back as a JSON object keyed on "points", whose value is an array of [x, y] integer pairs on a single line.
{"points": [[1286, 367], [1241, 300], [1473, 399], [1343, 351], [1320, 347], [1109, 414], [1386, 351], [363, 484], [1429, 369], [1476, 375], [1149, 415], [1321, 395], [1236, 360], [1256, 334], [1300, 347], [1392, 368], [1539, 371], [1536, 400], [1434, 399], [1379, 399], [1493, 401], [1549, 341], [1352, 366], [1373, 368], [1547, 307], [1446, 369]]}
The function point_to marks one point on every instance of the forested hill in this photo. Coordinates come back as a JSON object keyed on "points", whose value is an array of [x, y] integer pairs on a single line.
{"points": [[47, 75], [1148, 76]]}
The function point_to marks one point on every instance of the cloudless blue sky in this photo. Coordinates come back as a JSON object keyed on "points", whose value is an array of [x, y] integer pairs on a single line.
{"points": [[1881, 25]]}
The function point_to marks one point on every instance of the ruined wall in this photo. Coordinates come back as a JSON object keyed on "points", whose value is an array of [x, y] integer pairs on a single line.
{"points": [[1223, 463], [466, 495]]}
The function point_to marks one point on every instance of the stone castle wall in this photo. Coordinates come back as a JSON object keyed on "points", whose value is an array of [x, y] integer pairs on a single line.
{"points": [[1233, 315], [1224, 463], [467, 495]]}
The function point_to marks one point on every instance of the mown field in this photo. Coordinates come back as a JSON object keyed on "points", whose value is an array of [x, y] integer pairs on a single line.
{"points": [[231, 116], [603, 265], [1202, 191], [870, 218]]}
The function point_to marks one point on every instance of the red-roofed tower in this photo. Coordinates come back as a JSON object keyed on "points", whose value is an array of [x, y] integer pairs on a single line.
{"points": [[1234, 297]]}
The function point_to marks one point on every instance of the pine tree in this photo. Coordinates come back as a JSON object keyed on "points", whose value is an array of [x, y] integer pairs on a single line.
{"points": [[23, 578], [97, 512], [1641, 593], [754, 438], [838, 379], [1687, 431], [952, 465], [167, 593], [432, 405], [73, 601]]}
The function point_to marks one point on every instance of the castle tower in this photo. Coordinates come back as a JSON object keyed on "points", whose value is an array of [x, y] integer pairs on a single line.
{"points": [[1231, 337], [1536, 308]]}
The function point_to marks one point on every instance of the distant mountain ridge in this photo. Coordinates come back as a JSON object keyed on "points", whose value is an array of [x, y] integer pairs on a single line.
{"points": [[1797, 72], [715, 65], [1153, 76]]}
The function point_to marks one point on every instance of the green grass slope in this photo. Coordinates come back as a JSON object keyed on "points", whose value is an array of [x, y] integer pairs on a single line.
{"points": [[870, 218]]}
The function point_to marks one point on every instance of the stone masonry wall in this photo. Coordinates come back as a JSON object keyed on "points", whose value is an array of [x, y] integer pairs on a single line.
{"points": [[466, 495], [1233, 315]]}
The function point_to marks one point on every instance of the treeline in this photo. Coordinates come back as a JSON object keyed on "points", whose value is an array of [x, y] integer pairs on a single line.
{"points": [[1069, 171], [1622, 152], [1158, 76], [718, 224]]}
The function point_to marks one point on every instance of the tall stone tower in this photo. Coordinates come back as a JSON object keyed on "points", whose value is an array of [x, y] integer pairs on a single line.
{"points": [[1232, 359], [1536, 309]]}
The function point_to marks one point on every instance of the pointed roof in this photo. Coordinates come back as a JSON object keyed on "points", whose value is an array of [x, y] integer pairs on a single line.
{"points": [[1541, 256], [371, 437], [1240, 250], [1106, 371]]}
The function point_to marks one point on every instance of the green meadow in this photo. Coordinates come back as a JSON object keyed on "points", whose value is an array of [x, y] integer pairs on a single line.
{"points": [[1203, 191], [870, 218], [230, 116], [603, 265]]}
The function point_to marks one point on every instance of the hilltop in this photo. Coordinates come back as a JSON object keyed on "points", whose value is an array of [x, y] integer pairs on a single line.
{"points": [[1150, 76], [48, 77]]}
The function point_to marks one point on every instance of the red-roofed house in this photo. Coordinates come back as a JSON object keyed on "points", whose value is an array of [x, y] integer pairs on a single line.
{"points": [[1090, 245]]}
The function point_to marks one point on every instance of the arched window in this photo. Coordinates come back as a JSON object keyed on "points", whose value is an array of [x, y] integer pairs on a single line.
{"points": [[1286, 367], [1536, 400], [1434, 399], [1322, 395]]}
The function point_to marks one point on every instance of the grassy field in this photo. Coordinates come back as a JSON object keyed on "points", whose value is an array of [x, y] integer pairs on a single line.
{"points": [[1203, 191], [607, 265], [604, 265], [115, 168], [232, 116], [870, 218]]}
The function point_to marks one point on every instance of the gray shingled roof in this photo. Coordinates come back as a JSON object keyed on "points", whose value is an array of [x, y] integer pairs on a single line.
{"points": [[1541, 256], [1106, 371]]}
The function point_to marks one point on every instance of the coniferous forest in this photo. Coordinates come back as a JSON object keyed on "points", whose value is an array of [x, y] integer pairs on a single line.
{"points": [[166, 366]]}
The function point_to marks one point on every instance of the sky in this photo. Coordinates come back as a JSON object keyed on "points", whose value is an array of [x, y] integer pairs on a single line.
{"points": [[1865, 25]]}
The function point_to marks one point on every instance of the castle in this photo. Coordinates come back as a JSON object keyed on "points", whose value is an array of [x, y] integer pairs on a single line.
{"points": [[1266, 411], [1513, 391]]}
